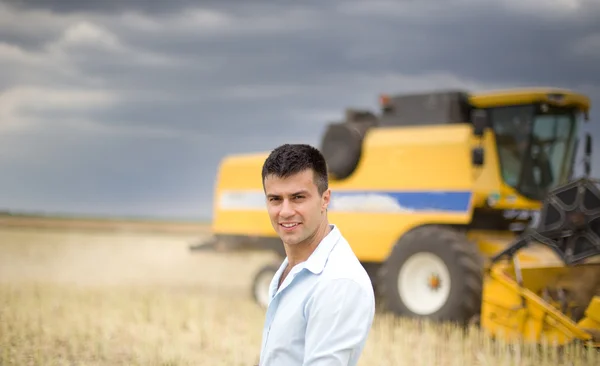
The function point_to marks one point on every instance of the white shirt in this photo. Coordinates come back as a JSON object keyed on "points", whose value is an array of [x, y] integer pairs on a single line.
{"points": [[323, 311]]}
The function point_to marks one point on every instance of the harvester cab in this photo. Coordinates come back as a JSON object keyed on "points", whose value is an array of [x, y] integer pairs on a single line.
{"points": [[427, 191]]}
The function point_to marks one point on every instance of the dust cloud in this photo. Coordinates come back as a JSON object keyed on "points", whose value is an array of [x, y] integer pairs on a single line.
{"points": [[95, 258]]}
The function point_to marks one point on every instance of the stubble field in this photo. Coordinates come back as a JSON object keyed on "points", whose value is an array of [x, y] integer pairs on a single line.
{"points": [[92, 297]]}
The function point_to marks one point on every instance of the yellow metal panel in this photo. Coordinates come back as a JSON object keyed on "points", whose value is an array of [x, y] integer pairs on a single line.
{"points": [[529, 95], [241, 172], [593, 310], [591, 321], [413, 158], [492, 242], [373, 235], [250, 222]]}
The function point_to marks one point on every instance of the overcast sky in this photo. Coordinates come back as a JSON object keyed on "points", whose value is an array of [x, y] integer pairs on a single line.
{"points": [[126, 107]]}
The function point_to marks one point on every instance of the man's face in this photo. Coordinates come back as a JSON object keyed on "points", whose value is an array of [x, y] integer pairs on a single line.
{"points": [[295, 207]]}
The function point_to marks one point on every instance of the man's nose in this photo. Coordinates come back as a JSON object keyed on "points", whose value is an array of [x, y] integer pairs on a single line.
{"points": [[286, 209]]}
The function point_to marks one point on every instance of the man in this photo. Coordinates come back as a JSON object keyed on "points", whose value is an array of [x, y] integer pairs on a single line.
{"points": [[322, 302]]}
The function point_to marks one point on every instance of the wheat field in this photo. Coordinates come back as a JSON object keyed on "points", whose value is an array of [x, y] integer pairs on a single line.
{"points": [[125, 298]]}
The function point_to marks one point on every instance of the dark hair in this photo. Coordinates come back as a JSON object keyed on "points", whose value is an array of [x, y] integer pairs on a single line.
{"points": [[289, 159]]}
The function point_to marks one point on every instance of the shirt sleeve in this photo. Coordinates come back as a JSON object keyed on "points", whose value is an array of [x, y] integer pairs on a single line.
{"points": [[339, 315]]}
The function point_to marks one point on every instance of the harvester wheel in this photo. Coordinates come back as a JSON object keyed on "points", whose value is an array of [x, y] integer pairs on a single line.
{"points": [[433, 272], [261, 283]]}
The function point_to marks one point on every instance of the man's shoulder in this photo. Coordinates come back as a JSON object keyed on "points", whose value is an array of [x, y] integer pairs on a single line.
{"points": [[350, 285], [343, 265]]}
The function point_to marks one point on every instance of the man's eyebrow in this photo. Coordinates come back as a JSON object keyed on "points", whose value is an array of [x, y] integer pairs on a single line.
{"points": [[303, 191], [273, 195]]}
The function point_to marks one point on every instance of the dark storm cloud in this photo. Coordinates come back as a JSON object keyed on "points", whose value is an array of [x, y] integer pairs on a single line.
{"points": [[128, 106], [155, 7], [70, 6]]}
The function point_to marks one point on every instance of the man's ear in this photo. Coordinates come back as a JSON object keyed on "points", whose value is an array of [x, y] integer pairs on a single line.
{"points": [[326, 199]]}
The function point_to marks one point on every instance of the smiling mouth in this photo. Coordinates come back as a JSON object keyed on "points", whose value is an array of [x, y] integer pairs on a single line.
{"points": [[289, 225]]}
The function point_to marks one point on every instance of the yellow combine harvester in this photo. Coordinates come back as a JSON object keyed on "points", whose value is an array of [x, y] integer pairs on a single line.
{"points": [[429, 189]]}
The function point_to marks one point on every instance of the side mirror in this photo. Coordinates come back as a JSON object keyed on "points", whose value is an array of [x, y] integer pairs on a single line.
{"points": [[588, 144], [587, 154], [480, 122], [477, 156]]}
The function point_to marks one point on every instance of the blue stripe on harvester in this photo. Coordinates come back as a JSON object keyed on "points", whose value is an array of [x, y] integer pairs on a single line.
{"points": [[390, 201]]}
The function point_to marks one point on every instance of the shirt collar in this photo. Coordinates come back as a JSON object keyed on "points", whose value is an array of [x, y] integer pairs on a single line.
{"points": [[316, 262]]}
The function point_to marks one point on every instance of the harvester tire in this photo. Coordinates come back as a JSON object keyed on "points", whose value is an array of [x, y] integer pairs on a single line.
{"points": [[260, 284], [457, 296]]}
